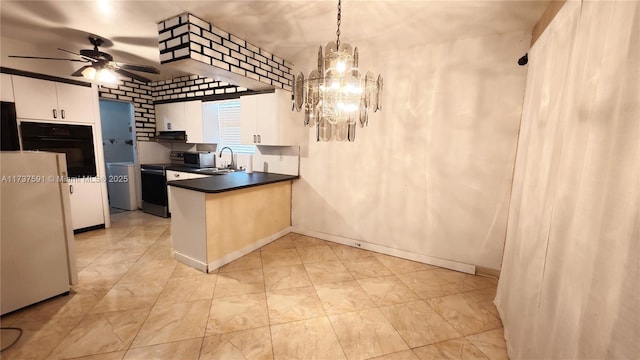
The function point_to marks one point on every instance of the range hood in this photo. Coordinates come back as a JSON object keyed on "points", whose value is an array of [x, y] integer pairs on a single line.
{"points": [[172, 136]]}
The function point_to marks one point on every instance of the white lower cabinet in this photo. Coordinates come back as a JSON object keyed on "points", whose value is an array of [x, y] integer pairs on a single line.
{"points": [[86, 202], [180, 175]]}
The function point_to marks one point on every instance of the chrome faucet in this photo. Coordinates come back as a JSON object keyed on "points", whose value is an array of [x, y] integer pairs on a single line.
{"points": [[233, 165]]}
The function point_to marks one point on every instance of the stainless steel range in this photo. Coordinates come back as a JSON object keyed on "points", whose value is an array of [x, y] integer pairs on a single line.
{"points": [[154, 185]]}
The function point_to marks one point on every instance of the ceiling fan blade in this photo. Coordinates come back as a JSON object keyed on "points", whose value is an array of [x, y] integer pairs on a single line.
{"points": [[79, 71], [132, 75], [86, 58], [45, 58], [142, 68]]}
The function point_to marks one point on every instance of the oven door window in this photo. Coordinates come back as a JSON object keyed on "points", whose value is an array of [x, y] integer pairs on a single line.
{"points": [[154, 188]]}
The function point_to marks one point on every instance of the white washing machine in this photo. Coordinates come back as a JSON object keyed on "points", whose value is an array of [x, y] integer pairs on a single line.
{"points": [[121, 184]]}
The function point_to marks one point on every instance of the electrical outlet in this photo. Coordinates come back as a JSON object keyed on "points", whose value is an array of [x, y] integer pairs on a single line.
{"points": [[358, 244]]}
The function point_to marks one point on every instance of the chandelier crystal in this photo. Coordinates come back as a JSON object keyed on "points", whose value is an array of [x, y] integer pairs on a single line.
{"points": [[337, 96]]}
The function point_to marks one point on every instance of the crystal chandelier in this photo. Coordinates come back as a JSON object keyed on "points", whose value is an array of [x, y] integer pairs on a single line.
{"points": [[337, 95]]}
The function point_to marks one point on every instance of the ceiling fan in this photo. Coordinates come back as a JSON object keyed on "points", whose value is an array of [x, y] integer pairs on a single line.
{"points": [[100, 64]]}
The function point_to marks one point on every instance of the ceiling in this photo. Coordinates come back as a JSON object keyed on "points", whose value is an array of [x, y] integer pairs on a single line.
{"points": [[288, 28]]}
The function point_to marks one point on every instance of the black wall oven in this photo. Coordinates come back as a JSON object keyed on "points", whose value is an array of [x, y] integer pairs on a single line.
{"points": [[75, 141]]}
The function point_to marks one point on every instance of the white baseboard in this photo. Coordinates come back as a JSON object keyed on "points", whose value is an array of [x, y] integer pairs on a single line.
{"points": [[444, 263], [247, 249], [190, 261]]}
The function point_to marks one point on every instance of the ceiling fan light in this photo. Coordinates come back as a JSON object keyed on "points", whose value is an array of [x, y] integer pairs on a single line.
{"points": [[89, 73], [106, 76]]}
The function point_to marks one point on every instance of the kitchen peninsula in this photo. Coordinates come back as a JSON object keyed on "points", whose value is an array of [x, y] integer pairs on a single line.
{"points": [[217, 219]]}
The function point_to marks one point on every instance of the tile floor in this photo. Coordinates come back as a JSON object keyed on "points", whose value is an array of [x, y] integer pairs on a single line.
{"points": [[296, 298]]}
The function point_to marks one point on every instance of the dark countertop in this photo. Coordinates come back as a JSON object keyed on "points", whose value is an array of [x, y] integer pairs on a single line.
{"points": [[183, 169], [228, 182]]}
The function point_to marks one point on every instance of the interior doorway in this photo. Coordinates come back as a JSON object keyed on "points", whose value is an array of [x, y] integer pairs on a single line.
{"points": [[120, 156]]}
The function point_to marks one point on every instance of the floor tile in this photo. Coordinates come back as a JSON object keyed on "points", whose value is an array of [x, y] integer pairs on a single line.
{"points": [[327, 272], [456, 349], [464, 315], [101, 333], [366, 267], [182, 270], [418, 323], [280, 257], [338, 298], [387, 290], [131, 296], [365, 334], [285, 277], [402, 266], [77, 303], [173, 322], [120, 255], [293, 304], [153, 271], [118, 355], [180, 350], [239, 282], [103, 275], [235, 313], [284, 242], [302, 241], [248, 344], [250, 261], [401, 355], [349, 253], [314, 254], [38, 339], [306, 340], [188, 289], [428, 284], [491, 343]]}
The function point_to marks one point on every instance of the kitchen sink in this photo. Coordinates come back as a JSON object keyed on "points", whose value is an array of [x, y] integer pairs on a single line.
{"points": [[214, 171]]}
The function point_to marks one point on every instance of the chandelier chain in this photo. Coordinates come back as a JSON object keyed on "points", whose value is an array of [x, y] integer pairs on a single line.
{"points": [[339, 21]]}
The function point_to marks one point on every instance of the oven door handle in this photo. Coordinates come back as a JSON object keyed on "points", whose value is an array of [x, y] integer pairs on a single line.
{"points": [[153, 171]]}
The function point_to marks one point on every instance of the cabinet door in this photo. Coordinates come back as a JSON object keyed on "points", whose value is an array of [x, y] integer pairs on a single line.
{"points": [[180, 175], [75, 103], [86, 203], [267, 124], [35, 98], [170, 117], [193, 122], [248, 114]]}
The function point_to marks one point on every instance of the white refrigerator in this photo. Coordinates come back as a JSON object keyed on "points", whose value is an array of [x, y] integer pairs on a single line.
{"points": [[36, 234]]}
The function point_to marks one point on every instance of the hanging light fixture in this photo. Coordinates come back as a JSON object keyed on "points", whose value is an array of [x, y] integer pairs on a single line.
{"points": [[337, 95], [101, 75]]}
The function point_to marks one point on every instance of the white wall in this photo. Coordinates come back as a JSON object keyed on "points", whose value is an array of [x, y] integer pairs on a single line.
{"points": [[431, 174]]}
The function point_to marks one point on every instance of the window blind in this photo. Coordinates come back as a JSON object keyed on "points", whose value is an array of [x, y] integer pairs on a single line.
{"points": [[229, 120]]}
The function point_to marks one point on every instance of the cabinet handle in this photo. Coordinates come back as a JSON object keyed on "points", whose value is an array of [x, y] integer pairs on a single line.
{"points": [[55, 114], [62, 113], [254, 139], [259, 139], [71, 189], [177, 175]]}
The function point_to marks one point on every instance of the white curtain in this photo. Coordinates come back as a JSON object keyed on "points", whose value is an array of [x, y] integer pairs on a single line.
{"points": [[569, 287]]}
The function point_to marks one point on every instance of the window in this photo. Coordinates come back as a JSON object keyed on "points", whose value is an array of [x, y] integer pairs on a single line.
{"points": [[229, 120]]}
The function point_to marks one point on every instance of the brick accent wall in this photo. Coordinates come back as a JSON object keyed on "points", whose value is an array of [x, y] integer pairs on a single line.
{"points": [[144, 96], [189, 37], [140, 95], [194, 86]]}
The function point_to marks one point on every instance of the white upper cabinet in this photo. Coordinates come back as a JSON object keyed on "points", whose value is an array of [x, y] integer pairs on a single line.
{"points": [[48, 100], [6, 88], [198, 120], [170, 117], [266, 119]]}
